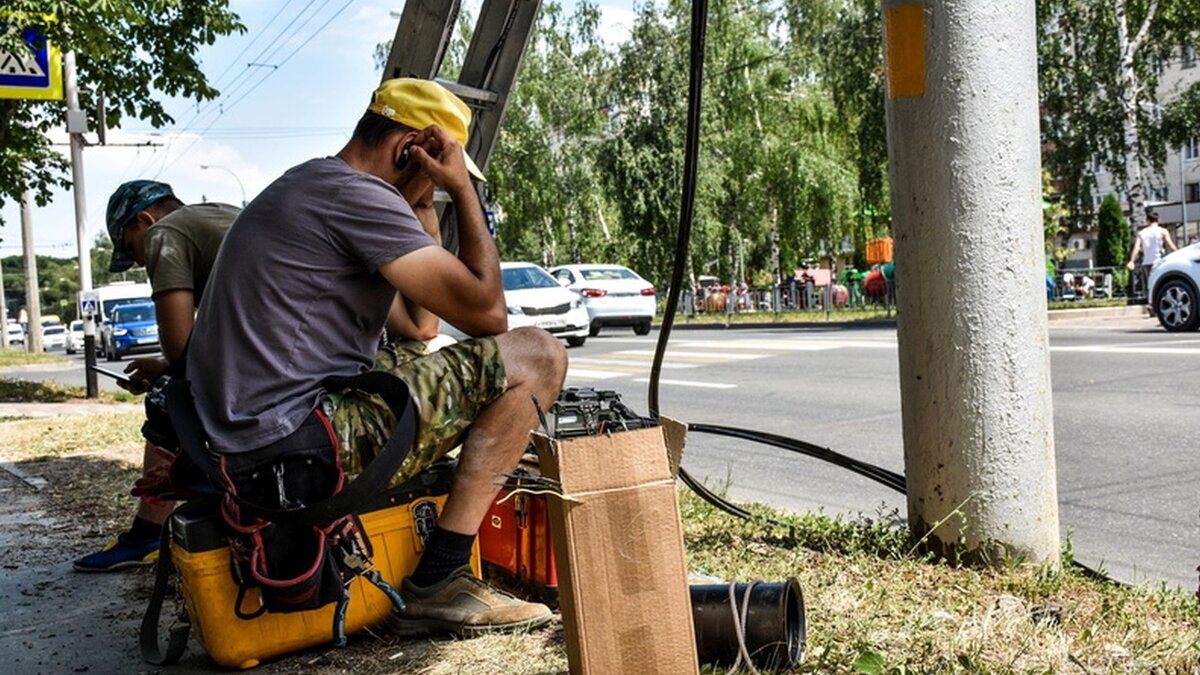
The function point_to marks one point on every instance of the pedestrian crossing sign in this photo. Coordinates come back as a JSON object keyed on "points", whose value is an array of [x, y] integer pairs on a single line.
{"points": [[89, 303], [33, 72]]}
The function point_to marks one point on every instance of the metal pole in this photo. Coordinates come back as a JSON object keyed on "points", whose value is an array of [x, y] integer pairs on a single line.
{"points": [[1183, 195], [231, 173], [3, 311], [962, 109], [33, 304], [76, 126]]}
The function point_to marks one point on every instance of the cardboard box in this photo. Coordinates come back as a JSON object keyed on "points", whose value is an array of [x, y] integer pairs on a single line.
{"points": [[618, 541]]}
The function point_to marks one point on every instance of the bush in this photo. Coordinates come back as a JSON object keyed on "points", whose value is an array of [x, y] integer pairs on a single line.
{"points": [[1113, 243]]}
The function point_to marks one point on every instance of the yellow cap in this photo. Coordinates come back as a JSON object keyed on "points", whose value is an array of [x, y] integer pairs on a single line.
{"points": [[420, 103]]}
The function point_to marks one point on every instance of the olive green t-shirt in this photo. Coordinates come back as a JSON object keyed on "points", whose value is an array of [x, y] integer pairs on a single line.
{"points": [[181, 248]]}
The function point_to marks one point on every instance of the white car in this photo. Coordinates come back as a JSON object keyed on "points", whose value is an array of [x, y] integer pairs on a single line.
{"points": [[14, 334], [54, 337], [614, 295], [75, 337], [1173, 289], [534, 298]]}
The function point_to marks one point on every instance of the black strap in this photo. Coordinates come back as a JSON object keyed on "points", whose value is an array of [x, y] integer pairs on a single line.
{"points": [[373, 479], [148, 638]]}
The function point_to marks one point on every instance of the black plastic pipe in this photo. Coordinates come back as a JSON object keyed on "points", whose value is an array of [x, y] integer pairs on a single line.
{"points": [[774, 628]]}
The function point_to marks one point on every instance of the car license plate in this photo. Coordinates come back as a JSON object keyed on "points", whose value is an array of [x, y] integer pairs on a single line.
{"points": [[146, 341], [551, 323]]}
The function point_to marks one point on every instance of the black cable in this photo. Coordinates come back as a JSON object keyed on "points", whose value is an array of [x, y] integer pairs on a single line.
{"points": [[687, 207], [880, 475], [686, 213]]}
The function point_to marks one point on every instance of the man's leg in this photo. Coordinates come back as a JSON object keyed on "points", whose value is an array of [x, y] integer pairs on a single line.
{"points": [[153, 510], [536, 363], [441, 592], [138, 545]]}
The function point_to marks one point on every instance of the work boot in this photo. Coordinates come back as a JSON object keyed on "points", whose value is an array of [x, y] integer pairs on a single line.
{"points": [[463, 604]]}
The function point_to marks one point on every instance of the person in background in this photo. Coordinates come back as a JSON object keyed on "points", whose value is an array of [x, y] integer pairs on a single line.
{"points": [[178, 245], [1150, 242]]}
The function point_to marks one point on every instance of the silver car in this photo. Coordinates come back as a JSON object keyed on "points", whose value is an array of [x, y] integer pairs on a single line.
{"points": [[614, 295], [1173, 289]]}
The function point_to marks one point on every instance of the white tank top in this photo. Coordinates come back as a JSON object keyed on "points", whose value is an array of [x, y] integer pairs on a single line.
{"points": [[1151, 244]]}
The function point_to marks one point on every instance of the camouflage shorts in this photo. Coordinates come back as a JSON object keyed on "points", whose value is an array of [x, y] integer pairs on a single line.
{"points": [[450, 387]]}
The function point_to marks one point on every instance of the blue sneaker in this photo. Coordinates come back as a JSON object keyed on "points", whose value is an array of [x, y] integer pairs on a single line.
{"points": [[118, 555]]}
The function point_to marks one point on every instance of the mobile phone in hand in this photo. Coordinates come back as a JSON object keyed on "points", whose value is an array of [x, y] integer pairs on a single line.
{"points": [[121, 378]]}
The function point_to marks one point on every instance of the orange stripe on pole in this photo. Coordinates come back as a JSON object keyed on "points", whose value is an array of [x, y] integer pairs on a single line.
{"points": [[904, 39]]}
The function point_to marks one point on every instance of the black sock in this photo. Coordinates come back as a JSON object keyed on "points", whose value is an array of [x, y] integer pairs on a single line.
{"points": [[142, 531], [445, 551]]}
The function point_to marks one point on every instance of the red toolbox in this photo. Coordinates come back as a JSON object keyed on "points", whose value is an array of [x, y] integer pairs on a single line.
{"points": [[514, 539]]}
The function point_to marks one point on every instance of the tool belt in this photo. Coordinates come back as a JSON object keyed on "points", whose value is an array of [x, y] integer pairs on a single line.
{"points": [[287, 510]]}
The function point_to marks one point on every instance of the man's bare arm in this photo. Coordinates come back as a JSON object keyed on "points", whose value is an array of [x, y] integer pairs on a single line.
{"points": [[400, 321], [407, 318], [1137, 248], [1169, 241], [176, 311], [466, 290]]}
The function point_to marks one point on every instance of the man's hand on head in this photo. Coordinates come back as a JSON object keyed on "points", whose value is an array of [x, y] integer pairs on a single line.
{"points": [[441, 157]]}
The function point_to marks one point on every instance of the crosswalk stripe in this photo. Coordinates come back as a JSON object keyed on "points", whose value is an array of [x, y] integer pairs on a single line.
{"points": [[689, 383], [762, 345], [588, 374], [1118, 349], [606, 361], [676, 353]]}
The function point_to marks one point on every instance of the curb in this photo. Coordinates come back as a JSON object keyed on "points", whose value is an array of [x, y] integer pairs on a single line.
{"points": [[759, 325], [1097, 312], [1051, 315]]}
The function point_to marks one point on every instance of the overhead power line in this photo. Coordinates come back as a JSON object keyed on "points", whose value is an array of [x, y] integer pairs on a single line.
{"points": [[269, 73]]}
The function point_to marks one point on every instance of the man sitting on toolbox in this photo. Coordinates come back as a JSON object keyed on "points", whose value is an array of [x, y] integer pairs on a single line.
{"points": [[301, 292]]}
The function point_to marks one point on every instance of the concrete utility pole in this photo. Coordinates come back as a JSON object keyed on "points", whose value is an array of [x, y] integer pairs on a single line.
{"points": [[964, 165], [33, 302], [76, 127], [3, 312]]}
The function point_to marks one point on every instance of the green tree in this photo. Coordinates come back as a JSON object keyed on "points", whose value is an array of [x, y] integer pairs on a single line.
{"points": [[1114, 241], [850, 49], [642, 158], [134, 52], [1099, 64], [545, 174]]}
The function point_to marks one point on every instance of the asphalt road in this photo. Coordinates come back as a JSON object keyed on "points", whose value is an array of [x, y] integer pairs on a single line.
{"points": [[1125, 394], [1124, 399]]}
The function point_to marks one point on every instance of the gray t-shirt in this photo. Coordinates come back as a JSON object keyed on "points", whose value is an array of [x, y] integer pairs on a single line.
{"points": [[295, 297]]}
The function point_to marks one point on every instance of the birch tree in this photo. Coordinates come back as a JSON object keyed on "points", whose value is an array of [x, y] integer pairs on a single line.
{"points": [[1099, 66]]}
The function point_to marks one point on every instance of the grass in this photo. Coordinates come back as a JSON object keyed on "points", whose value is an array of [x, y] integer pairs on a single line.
{"points": [[28, 391], [17, 357], [1088, 304], [864, 314], [874, 604]]}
